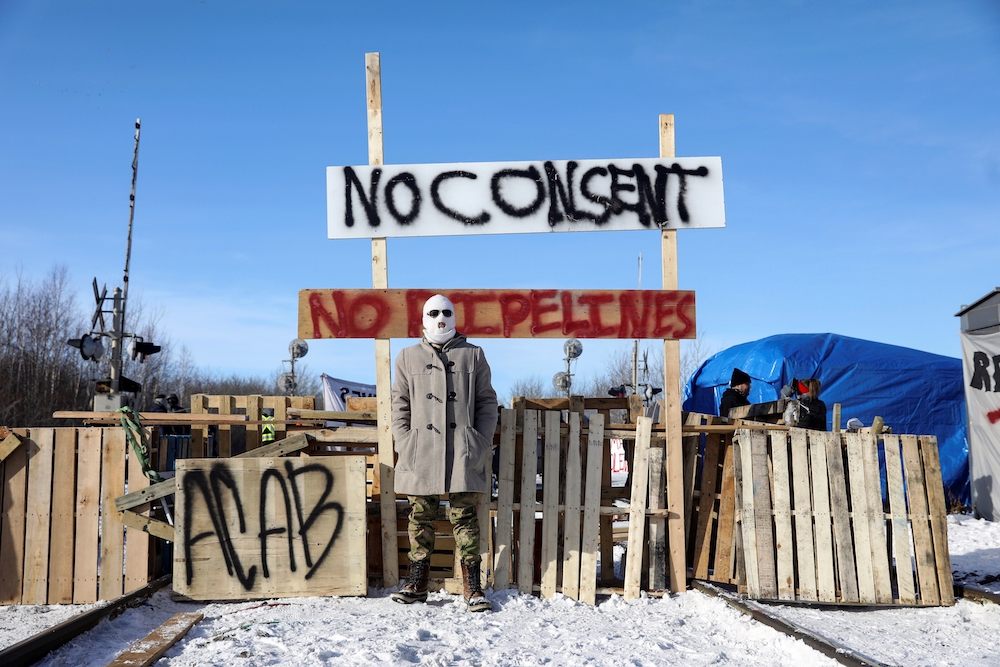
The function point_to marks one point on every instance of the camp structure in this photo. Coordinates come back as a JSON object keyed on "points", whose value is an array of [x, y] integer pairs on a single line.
{"points": [[913, 391]]}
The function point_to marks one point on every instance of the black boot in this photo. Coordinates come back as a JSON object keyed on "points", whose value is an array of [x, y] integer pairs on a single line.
{"points": [[415, 587], [473, 589]]}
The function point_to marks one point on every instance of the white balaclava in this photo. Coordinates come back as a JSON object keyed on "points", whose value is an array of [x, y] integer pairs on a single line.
{"points": [[439, 319]]}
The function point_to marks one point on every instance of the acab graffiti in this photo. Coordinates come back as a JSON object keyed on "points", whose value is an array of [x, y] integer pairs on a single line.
{"points": [[300, 523]]}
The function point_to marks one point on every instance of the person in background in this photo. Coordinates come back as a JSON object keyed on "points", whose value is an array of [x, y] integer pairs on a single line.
{"points": [[159, 404], [736, 395], [444, 415], [173, 404], [812, 411]]}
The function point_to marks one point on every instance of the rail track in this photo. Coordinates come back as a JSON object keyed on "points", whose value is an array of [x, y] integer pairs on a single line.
{"points": [[34, 648], [842, 653]]}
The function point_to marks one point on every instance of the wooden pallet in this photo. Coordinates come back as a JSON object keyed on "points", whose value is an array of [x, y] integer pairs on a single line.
{"points": [[58, 518], [251, 406], [819, 525]]}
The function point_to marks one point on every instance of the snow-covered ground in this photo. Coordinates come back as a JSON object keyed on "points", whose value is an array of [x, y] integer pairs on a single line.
{"points": [[687, 629]]}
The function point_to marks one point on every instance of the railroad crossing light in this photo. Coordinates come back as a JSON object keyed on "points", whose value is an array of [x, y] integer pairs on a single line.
{"points": [[617, 392], [142, 350], [90, 348], [650, 391]]}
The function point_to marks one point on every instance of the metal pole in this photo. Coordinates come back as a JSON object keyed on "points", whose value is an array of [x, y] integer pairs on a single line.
{"points": [[116, 342], [131, 215]]}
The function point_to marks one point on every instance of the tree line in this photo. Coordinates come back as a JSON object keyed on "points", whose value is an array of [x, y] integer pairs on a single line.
{"points": [[40, 374]]}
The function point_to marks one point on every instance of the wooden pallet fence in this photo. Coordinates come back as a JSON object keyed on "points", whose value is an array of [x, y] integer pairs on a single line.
{"points": [[710, 501], [251, 406], [549, 543], [61, 540], [818, 524]]}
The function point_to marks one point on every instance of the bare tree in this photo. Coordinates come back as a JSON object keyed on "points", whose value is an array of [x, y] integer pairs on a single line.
{"points": [[530, 387]]}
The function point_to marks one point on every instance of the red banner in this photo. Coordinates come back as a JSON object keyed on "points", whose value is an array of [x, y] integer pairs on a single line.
{"points": [[551, 313]]}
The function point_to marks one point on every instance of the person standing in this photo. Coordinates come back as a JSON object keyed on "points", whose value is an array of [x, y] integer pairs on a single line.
{"points": [[444, 415], [736, 394], [812, 411]]}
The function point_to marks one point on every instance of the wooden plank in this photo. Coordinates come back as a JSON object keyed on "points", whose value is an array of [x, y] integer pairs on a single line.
{"points": [[254, 405], [571, 527], [146, 494], [88, 502], [591, 510], [136, 541], [199, 434], [9, 444], [748, 515], [706, 505], [505, 500], [225, 444], [657, 525], [938, 510], [112, 576], [722, 568], [677, 518], [826, 584], [923, 544], [526, 537], [293, 443], [149, 649], [38, 517], [843, 542], [151, 418], [63, 517], [281, 415], [860, 521], [876, 519], [803, 507], [12, 521], [606, 545], [550, 505], [784, 546], [312, 509], [141, 523], [763, 521], [637, 508], [486, 313], [902, 554]]}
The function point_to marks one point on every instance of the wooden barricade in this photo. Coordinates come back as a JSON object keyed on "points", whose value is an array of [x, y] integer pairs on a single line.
{"points": [[59, 521], [251, 406], [818, 523]]}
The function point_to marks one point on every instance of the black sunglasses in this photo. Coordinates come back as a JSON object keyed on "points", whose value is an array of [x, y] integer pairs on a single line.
{"points": [[434, 313]]}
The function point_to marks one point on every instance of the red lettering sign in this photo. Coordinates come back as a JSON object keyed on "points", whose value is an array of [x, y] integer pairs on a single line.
{"points": [[551, 313]]}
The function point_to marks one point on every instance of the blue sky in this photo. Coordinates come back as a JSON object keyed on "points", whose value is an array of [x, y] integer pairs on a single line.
{"points": [[860, 145]]}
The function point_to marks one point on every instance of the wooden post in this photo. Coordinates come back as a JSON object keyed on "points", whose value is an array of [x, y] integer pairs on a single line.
{"points": [[674, 460], [383, 355]]}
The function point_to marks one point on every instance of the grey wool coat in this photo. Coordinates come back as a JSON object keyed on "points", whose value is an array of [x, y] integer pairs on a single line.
{"points": [[444, 415]]}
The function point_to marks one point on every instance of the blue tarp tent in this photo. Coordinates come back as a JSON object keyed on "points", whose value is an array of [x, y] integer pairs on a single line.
{"points": [[915, 392]]}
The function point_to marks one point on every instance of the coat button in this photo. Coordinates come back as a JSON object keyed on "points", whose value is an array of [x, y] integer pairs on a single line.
{"points": [[430, 396], [430, 427], [429, 366], [452, 394], [452, 425]]}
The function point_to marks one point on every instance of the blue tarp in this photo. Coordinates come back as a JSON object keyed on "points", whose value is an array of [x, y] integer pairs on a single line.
{"points": [[914, 392]]}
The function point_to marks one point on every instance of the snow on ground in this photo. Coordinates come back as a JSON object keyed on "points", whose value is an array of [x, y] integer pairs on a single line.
{"points": [[687, 629]]}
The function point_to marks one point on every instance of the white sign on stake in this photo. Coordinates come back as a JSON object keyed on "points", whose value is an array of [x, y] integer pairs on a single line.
{"points": [[524, 197]]}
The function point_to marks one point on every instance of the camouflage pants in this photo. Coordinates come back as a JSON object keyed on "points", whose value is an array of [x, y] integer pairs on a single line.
{"points": [[463, 517]]}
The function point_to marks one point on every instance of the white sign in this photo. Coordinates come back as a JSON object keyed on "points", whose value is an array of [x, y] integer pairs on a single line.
{"points": [[337, 391], [981, 368], [524, 197]]}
